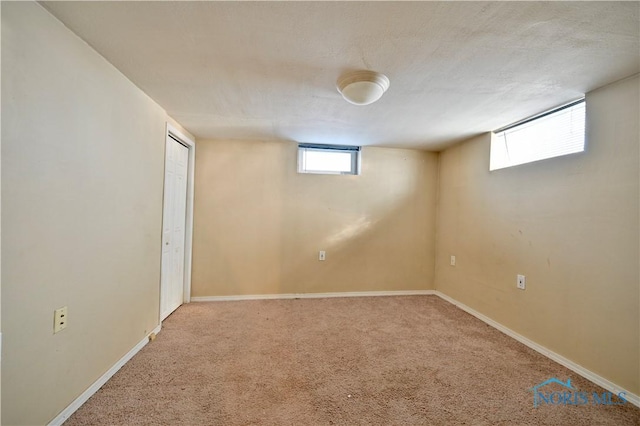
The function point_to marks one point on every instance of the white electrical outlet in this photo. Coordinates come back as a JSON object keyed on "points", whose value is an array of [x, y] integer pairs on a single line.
{"points": [[521, 282], [59, 319], [453, 261], [322, 255]]}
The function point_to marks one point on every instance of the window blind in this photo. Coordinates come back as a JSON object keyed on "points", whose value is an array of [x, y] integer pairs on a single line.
{"points": [[552, 134]]}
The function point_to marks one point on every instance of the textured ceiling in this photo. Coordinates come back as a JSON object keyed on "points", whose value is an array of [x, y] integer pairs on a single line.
{"points": [[267, 70]]}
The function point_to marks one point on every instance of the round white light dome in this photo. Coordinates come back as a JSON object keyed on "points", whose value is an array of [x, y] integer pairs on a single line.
{"points": [[363, 87]]}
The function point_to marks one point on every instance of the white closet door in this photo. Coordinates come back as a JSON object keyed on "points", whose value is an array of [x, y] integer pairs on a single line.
{"points": [[173, 227]]}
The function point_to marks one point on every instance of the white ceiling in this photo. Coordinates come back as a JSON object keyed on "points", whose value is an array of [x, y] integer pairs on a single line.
{"points": [[267, 70]]}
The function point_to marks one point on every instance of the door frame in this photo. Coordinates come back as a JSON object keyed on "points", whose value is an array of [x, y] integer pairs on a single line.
{"points": [[172, 132]]}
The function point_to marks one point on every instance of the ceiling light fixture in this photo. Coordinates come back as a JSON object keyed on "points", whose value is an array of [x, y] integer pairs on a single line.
{"points": [[363, 87]]}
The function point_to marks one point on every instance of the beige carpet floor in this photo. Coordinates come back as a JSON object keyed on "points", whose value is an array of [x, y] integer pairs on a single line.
{"points": [[414, 360]]}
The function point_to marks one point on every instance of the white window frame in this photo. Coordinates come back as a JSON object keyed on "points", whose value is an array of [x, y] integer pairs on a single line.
{"points": [[499, 155], [355, 152]]}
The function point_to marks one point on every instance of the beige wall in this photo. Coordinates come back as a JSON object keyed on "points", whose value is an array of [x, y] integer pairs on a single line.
{"points": [[0, 256], [569, 224], [259, 224], [82, 177]]}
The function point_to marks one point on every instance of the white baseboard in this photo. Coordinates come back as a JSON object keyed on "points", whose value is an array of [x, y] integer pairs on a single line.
{"points": [[67, 412], [589, 375], [312, 295]]}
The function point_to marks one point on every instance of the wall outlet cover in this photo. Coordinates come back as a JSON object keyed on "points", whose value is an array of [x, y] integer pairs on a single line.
{"points": [[521, 282], [59, 319]]}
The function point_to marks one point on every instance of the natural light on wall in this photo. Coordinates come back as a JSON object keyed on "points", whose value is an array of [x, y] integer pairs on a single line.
{"points": [[328, 159], [558, 132]]}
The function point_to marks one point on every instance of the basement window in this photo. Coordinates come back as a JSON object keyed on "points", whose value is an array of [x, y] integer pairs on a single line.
{"points": [[558, 132], [328, 159]]}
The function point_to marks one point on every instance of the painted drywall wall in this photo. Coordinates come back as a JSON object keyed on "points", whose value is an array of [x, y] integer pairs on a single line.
{"points": [[258, 224], [0, 245], [569, 224], [82, 179]]}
